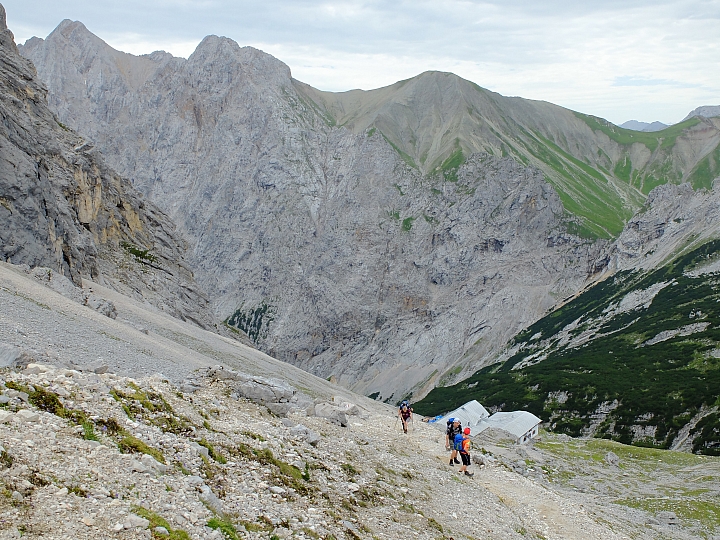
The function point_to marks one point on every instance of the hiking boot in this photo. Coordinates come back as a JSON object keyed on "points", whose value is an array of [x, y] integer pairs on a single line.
{"points": [[457, 461], [451, 463], [469, 474]]}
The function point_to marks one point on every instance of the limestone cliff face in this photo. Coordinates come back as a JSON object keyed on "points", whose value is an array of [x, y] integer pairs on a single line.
{"points": [[62, 207], [319, 241], [675, 219]]}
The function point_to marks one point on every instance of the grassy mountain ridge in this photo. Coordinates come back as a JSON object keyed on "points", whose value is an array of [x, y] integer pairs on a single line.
{"points": [[635, 358], [601, 171]]}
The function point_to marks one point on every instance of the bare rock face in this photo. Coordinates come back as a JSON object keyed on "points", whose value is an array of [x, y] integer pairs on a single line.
{"points": [[321, 243], [674, 218], [63, 208]]}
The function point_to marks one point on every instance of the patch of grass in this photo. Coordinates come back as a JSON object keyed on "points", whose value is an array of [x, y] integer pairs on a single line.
{"points": [[706, 513], [50, 402], [109, 426], [253, 435], [407, 224], [706, 170], [211, 451], [6, 460], [349, 469], [133, 445], [153, 408], [89, 431], [405, 157], [157, 521], [288, 475], [434, 524], [225, 527], [141, 255], [77, 490], [623, 136]]}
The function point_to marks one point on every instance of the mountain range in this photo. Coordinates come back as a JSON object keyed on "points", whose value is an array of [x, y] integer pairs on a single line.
{"points": [[395, 239], [644, 126]]}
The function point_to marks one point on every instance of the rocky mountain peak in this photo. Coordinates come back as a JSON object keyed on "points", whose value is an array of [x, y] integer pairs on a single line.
{"points": [[63, 208], [3, 18], [706, 111], [218, 54]]}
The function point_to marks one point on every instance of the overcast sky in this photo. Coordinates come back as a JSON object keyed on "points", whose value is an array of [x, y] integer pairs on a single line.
{"points": [[619, 59]]}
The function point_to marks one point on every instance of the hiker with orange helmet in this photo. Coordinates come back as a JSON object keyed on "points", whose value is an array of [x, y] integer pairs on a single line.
{"points": [[465, 452]]}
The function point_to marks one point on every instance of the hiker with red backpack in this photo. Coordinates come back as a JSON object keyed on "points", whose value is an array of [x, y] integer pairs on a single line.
{"points": [[462, 443], [405, 414], [453, 428]]}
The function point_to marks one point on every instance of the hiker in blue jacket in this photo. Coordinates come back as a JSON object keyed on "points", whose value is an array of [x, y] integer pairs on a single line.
{"points": [[454, 427]]}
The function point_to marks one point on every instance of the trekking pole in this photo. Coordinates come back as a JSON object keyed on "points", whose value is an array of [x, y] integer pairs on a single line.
{"points": [[396, 421]]}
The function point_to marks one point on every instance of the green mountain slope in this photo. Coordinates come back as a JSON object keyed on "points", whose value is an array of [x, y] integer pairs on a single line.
{"points": [[635, 358], [602, 172]]}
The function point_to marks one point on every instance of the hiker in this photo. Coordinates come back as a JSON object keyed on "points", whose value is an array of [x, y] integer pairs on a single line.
{"points": [[405, 414], [465, 452], [454, 427]]}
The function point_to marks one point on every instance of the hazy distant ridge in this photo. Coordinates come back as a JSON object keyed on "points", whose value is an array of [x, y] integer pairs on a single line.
{"points": [[644, 126]]}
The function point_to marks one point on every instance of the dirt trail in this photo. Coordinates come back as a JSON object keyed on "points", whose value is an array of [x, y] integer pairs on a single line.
{"points": [[541, 511]]}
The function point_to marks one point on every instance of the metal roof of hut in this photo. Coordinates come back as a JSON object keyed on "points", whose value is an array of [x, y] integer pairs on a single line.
{"points": [[470, 414], [476, 417], [517, 423]]}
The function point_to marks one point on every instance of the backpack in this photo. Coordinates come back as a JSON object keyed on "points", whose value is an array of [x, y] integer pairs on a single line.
{"points": [[458, 441]]}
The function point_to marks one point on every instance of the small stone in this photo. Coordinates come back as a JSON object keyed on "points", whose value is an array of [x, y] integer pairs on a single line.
{"points": [[136, 466], [277, 490], [117, 527], [17, 496], [161, 531], [350, 526], [151, 463], [88, 521], [25, 415], [611, 458], [5, 417], [34, 369], [133, 521]]}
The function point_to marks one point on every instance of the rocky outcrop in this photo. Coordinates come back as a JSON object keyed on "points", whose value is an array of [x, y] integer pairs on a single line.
{"points": [[63, 208], [320, 242], [706, 111], [675, 218]]}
